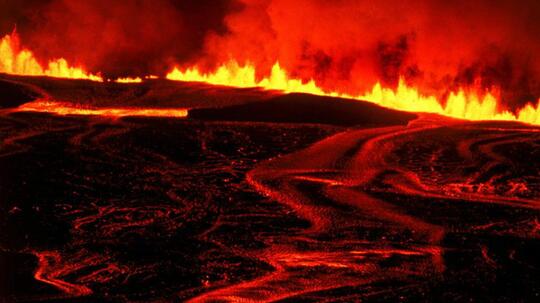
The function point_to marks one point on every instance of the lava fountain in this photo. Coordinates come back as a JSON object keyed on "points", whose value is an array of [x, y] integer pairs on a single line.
{"points": [[20, 61], [464, 103]]}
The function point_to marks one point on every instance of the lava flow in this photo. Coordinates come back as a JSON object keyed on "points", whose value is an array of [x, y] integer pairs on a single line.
{"points": [[64, 109], [386, 182], [397, 207]]}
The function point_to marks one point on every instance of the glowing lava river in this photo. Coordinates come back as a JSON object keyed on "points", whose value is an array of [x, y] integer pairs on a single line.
{"points": [[240, 203]]}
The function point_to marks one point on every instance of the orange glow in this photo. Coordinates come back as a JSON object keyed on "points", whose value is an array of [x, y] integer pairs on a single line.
{"points": [[69, 109], [461, 104], [19, 61], [129, 80]]}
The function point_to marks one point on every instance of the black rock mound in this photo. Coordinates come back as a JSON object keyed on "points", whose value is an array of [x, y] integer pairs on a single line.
{"points": [[305, 108], [13, 94]]}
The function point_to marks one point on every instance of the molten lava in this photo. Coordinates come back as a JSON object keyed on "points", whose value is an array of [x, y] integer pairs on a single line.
{"points": [[20, 61], [64, 109], [464, 103], [129, 80]]}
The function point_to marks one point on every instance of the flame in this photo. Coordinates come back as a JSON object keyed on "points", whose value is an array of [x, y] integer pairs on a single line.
{"points": [[19, 61], [462, 104], [65, 109], [135, 80]]}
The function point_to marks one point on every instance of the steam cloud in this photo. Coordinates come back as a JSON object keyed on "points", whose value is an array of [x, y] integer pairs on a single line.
{"points": [[346, 45]]}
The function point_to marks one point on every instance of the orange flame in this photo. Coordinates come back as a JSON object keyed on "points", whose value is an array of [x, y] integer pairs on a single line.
{"points": [[19, 61], [460, 104]]}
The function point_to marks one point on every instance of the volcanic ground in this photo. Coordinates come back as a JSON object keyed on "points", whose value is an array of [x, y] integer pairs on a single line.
{"points": [[260, 197]]}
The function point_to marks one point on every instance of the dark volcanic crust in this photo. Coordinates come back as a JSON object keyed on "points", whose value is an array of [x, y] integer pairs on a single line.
{"points": [[163, 210], [13, 94], [156, 93], [207, 102], [304, 108], [135, 207], [101, 209]]}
